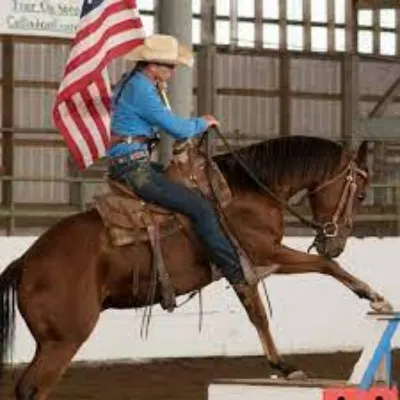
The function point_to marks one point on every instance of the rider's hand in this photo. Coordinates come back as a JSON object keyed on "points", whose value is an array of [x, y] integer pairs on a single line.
{"points": [[211, 121]]}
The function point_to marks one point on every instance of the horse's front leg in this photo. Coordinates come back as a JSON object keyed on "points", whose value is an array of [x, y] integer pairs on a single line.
{"points": [[296, 262], [250, 298]]}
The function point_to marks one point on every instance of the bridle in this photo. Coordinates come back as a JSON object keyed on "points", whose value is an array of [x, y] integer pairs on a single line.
{"points": [[345, 204], [327, 229]]}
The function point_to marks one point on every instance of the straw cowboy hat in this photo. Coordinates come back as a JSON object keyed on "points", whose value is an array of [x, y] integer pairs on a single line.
{"points": [[162, 49]]}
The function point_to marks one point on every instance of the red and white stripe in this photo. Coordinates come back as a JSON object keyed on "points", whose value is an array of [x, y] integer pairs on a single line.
{"points": [[82, 108]]}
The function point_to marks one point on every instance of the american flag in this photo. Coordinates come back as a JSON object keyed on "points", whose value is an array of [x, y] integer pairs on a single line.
{"points": [[107, 29]]}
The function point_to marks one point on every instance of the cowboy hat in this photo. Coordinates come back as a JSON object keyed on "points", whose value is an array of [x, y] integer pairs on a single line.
{"points": [[162, 49]]}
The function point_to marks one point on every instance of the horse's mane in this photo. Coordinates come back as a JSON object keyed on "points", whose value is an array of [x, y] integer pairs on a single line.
{"points": [[277, 160]]}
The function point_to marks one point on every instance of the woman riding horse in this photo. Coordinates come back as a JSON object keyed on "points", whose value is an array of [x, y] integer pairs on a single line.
{"points": [[137, 111]]}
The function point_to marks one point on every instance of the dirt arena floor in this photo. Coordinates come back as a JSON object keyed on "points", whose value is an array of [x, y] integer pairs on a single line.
{"points": [[181, 379]]}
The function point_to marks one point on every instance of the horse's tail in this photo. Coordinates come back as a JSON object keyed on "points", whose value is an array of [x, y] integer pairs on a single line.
{"points": [[8, 289]]}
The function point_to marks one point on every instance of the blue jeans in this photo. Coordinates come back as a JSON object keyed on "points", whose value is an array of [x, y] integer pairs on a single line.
{"points": [[150, 184]]}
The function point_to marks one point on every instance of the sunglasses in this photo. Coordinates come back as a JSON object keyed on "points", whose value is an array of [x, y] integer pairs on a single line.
{"points": [[168, 66]]}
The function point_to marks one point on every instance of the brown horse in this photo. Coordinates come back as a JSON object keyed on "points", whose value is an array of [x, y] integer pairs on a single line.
{"points": [[72, 272]]}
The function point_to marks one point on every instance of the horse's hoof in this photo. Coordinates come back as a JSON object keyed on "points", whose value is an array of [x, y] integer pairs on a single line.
{"points": [[381, 306], [297, 376]]}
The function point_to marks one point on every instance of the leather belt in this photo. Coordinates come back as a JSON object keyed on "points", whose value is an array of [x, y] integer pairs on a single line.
{"points": [[136, 155], [116, 139]]}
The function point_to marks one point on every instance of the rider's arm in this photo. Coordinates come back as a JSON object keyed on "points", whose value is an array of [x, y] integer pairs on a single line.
{"points": [[156, 113]]}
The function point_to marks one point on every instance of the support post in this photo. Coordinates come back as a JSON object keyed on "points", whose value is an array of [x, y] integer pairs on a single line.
{"points": [[350, 84], [284, 74], [284, 98], [206, 101], [8, 123], [175, 18], [258, 34], [208, 22], [206, 88]]}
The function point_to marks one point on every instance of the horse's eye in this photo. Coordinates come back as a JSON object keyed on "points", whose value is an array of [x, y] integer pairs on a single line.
{"points": [[361, 196]]}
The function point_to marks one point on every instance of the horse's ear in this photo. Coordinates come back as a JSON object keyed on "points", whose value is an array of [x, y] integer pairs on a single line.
{"points": [[362, 154]]}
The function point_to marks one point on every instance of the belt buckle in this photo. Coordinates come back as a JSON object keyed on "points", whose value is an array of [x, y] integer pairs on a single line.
{"points": [[138, 155], [134, 156]]}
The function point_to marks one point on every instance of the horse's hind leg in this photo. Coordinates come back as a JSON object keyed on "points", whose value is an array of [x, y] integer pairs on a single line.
{"points": [[60, 324], [250, 298], [50, 361]]}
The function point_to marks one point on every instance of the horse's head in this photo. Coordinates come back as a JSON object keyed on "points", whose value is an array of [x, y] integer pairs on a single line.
{"points": [[335, 201]]}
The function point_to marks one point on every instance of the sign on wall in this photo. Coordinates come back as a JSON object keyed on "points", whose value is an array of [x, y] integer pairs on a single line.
{"points": [[57, 18]]}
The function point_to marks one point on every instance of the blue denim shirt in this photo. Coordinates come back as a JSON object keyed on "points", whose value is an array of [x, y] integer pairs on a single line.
{"points": [[138, 110]]}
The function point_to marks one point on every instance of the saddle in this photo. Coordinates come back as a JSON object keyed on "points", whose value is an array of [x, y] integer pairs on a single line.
{"points": [[129, 220]]}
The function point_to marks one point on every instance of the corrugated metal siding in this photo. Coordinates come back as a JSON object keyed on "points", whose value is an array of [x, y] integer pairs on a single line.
{"points": [[376, 77], [246, 71], [365, 107], [42, 62], [41, 162], [33, 106], [250, 116], [38, 62], [393, 110], [239, 109], [315, 76], [316, 117]]}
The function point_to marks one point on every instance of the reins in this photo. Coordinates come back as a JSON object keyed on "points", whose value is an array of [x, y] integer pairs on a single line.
{"points": [[310, 223]]}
